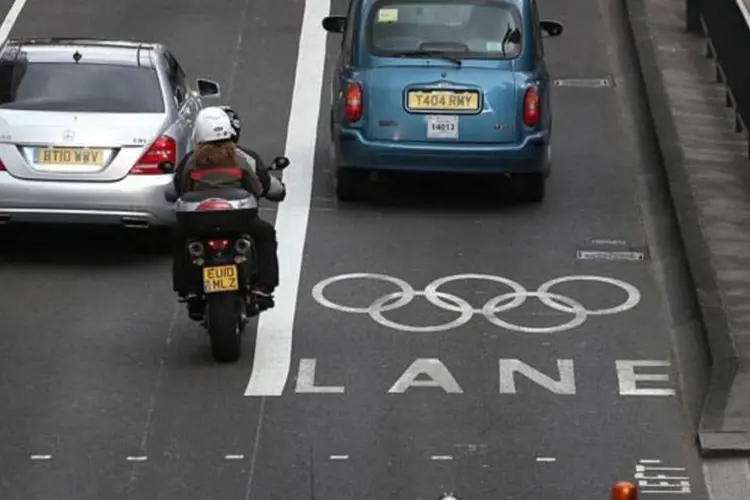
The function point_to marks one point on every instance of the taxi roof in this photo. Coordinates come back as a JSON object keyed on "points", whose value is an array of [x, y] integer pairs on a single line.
{"points": [[517, 3]]}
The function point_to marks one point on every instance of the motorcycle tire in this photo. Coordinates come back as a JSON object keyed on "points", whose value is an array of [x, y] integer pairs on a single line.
{"points": [[224, 326]]}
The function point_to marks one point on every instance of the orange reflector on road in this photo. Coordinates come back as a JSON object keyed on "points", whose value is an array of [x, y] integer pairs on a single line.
{"points": [[624, 491]]}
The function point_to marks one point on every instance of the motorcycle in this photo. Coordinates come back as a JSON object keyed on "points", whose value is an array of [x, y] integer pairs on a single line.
{"points": [[221, 254]]}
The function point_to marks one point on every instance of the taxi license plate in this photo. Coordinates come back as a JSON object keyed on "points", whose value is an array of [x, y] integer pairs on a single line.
{"points": [[220, 279], [442, 100], [69, 156]]}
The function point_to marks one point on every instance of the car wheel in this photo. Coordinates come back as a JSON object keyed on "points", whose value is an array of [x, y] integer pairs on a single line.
{"points": [[530, 188], [351, 183]]}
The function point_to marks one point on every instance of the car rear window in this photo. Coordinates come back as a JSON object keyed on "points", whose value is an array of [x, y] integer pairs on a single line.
{"points": [[463, 28], [91, 88]]}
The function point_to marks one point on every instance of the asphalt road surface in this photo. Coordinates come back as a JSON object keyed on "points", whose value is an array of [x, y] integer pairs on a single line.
{"points": [[108, 390]]}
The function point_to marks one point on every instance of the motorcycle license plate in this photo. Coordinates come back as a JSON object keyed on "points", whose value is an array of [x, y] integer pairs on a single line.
{"points": [[220, 279]]}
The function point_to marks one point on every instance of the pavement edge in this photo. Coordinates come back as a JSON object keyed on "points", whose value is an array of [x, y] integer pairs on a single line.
{"points": [[712, 436]]}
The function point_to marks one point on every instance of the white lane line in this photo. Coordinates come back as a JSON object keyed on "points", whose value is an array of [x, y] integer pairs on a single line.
{"points": [[10, 20], [744, 10], [339, 457], [41, 457], [441, 457], [546, 459], [273, 352], [140, 458], [234, 457]]}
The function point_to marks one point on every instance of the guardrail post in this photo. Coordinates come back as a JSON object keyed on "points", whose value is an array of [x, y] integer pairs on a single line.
{"points": [[693, 15]]}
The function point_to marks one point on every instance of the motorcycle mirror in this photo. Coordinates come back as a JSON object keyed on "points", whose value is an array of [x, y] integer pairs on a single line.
{"points": [[279, 163], [166, 167], [170, 194]]}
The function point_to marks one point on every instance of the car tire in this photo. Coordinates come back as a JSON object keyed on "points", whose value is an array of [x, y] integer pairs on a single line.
{"points": [[530, 188], [351, 184]]}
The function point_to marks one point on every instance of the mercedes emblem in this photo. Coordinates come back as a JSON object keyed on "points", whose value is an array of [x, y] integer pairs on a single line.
{"points": [[68, 135]]}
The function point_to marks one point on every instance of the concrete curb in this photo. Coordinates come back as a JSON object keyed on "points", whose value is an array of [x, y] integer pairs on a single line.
{"points": [[713, 436]]}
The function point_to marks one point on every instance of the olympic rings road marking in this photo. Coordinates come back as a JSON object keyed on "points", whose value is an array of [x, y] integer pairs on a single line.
{"points": [[513, 299]]}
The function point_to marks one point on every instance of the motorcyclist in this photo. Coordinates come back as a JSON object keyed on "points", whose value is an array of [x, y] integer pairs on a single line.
{"points": [[216, 132]]}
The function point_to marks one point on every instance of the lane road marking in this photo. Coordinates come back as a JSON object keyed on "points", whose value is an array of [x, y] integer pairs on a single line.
{"points": [[10, 20], [273, 352]]}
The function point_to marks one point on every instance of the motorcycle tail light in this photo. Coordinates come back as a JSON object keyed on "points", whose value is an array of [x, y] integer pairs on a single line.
{"points": [[218, 244], [213, 204]]}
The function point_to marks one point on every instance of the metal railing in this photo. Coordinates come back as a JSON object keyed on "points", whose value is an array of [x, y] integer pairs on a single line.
{"points": [[726, 25]]}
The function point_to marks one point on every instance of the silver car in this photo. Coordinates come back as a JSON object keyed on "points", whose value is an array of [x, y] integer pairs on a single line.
{"points": [[84, 127]]}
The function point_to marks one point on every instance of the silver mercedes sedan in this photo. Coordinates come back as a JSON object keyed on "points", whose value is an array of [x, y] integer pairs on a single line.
{"points": [[85, 129]]}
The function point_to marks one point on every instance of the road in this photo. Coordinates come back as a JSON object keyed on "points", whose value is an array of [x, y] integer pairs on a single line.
{"points": [[107, 390]]}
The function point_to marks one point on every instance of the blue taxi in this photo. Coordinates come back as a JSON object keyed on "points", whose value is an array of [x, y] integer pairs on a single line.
{"points": [[441, 86]]}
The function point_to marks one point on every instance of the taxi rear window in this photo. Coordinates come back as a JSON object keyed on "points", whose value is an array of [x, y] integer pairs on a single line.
{"points": [[483, 29]]}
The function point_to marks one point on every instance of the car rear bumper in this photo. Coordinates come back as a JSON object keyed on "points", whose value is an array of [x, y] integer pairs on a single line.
{"points": [[135, 201], [354, 151]]}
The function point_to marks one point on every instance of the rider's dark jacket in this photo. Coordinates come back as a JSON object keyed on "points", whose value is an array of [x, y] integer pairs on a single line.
{"points": [[250, 174]]}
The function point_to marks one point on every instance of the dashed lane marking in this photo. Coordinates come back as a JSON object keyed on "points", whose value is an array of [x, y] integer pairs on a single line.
{"points": [[41, 457], [139, 458], [234, 457], [546, 459]]}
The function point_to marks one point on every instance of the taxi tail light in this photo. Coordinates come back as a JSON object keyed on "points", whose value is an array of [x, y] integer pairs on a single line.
{"points": [[531, 107], [353, 103], [218, 244], [163, 149]]}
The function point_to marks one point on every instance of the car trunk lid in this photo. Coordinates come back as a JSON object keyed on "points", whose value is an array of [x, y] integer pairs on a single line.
{"points": [[416, 103], [43, 145]]}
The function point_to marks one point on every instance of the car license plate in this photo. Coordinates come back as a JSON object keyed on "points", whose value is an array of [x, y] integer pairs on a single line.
{"points": [[442, 100], [69, 156], [220, 279], [442, 127]]}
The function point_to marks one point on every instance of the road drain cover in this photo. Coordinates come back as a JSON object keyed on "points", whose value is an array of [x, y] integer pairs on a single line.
{"points": [[583, 82]]}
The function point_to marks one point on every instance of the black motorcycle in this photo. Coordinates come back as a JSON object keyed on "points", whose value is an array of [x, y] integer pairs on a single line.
{"points": [[222, 255]]}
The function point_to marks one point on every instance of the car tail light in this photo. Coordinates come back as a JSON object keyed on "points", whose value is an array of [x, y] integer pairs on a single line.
{"points": [[218, 244], [531, 107], [163, 149], [353, 103], [2, 166], [213, 204]]}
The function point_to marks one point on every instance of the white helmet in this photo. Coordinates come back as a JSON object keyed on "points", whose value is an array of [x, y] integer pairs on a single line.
{"points": [[211, 125]]}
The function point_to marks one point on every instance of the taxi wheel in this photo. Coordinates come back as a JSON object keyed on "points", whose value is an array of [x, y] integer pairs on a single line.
{"points": [[530, 188], [351, 183]]}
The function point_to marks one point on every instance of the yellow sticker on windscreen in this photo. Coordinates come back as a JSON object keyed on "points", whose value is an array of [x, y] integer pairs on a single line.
{"points": [[388, 16]]}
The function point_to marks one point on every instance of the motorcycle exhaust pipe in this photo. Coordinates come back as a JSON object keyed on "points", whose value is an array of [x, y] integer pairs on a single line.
{"points": [[195, 248], [242, 246]]}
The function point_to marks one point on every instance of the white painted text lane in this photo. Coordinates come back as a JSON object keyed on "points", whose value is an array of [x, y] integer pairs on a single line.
{"points": [[432, 374]]}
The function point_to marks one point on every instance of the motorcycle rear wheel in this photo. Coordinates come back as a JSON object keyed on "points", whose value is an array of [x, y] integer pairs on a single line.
{"points": [[224, 326]]}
